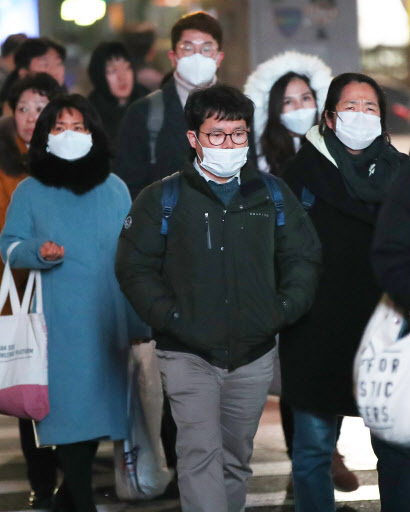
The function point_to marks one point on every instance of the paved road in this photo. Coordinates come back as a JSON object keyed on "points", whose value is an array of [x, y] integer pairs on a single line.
{"points": [[266, 489]]}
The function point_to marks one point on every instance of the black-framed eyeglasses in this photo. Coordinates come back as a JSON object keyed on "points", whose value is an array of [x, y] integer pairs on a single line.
{"points": [[218, 138], [206, 49]]}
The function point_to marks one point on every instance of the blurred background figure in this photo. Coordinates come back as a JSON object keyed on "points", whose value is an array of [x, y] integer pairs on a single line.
{"points": [[8, 49], [27, 98], [112, 73], [141, 43], [35, 55], [153, 142]]}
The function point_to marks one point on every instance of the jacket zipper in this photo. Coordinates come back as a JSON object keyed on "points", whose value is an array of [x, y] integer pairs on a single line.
{"points": [[208, 231], [228, 348]]}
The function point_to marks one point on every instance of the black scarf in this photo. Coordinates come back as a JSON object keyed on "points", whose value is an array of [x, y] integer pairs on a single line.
{"points": [[368, 175], [79, 176]]}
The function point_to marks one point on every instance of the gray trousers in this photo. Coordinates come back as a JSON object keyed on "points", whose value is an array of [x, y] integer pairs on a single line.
{"points": [[217, 414]]}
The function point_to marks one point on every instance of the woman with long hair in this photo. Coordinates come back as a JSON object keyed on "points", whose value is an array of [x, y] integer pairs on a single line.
{"points": [[289, 91]]}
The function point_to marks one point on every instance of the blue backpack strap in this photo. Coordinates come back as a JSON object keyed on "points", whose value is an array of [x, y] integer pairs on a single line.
{"points": [[276, 194], [307, 199], [169, 198]]}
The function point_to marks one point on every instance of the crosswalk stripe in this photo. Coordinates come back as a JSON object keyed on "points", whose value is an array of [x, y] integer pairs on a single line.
{"points": [[364, 493]]}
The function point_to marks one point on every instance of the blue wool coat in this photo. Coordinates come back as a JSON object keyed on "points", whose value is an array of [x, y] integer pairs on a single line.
{"points": [[88, 320]]}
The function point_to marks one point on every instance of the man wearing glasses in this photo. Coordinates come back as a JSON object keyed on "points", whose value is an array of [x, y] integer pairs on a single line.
{"points": [[152, 142], [216, 290]]}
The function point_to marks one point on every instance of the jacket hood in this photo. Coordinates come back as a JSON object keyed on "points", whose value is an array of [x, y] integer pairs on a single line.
{"points": [[96, 69], [12, 161], [318, 141], [79, 176], [260, 82]]}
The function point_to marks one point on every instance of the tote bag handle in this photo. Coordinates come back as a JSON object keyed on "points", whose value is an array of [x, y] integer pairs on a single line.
{"points": [[34, 276], [8, 286]]}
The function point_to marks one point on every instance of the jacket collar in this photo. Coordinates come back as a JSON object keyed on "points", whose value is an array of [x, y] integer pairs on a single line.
{"points": [[252, 185]]}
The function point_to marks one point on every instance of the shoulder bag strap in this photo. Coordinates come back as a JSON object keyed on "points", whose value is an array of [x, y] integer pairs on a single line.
{"points": [[8, 286]]}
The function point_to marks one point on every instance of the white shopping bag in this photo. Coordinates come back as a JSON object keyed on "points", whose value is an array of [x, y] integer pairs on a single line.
{"points": [[23, 350], [140, 467], [382, 375]]}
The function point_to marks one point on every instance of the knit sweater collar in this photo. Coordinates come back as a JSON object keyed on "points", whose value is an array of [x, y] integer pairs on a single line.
{"points": [[184, 88]]}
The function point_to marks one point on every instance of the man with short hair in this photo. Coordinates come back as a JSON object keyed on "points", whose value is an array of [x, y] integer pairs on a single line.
{"points": [[41, 55], [152, 141], [35, 55], [8, 49], [236, 263]]}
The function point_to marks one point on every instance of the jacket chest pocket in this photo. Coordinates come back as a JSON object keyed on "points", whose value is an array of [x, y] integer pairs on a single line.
{"points": [[196, 230]]}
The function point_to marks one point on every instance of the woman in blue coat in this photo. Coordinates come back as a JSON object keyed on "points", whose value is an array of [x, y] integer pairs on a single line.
{"points": [[68, 217]]}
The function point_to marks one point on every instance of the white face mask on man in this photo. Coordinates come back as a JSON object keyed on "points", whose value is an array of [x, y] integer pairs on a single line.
{"points": [[357, 130], [223, 163], [69, 145], [196, 69]]}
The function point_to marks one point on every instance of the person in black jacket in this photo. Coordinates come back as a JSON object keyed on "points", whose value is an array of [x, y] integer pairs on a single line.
{"points": [[216, 290], [112, 74], [348, 165], [148, 153], [391, 264]]}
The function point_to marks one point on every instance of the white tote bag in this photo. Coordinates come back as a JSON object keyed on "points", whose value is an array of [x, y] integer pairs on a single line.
{"points": [[140, 466], [382, 375], [23, 350]]}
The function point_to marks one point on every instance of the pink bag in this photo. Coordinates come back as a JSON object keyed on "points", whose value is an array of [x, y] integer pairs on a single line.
{"points": [[23, 350]]}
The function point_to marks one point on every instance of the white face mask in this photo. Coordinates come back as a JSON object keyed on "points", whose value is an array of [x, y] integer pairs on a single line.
{"points": [[223, 163], [69, 145], [357, 130], [196, 69], [299, 121]]}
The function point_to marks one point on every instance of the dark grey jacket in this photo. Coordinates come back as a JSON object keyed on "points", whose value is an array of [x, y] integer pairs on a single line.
{"points": [[172, 147]]}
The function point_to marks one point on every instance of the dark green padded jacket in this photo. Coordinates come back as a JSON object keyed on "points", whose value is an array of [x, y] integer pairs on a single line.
{"points": [[224, 281]]}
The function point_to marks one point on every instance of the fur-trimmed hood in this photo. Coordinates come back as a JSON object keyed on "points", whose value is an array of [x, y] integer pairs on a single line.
{"points": [[260, 82], [79, 176], [12, 161]]}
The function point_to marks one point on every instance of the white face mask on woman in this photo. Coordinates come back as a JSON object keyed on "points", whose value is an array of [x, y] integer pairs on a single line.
{"points": [[69, 145], [357, 130], [223, 163], [196, 69], [299, 121]]}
